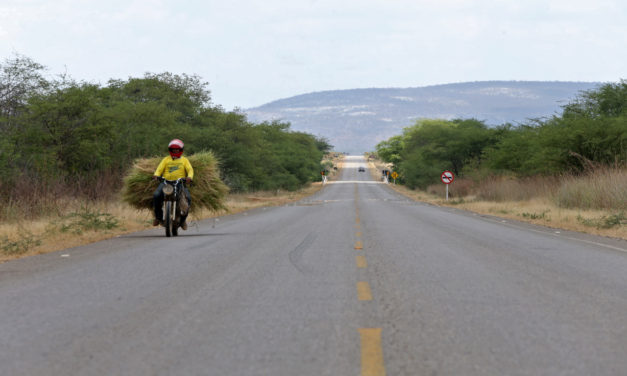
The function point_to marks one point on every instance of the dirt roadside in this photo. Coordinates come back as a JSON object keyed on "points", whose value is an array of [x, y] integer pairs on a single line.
{"points": [[88, 224], [540, 211]]}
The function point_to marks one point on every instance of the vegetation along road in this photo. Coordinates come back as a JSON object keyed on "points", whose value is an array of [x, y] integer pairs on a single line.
{"points": [[355, 280]]}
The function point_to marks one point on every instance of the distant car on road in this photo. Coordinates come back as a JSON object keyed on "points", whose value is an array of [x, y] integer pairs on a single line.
{"points": [[361, 169]]}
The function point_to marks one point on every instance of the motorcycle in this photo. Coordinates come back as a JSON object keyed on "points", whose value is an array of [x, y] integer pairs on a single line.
{"points": [[174, 205]]}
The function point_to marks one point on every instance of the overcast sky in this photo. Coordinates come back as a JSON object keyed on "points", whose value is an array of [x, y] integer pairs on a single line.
{"points": [[253, 52]]}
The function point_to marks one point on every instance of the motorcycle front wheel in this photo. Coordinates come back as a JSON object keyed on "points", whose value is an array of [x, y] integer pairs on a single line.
{"points": [[175, 219], [168, 219]]}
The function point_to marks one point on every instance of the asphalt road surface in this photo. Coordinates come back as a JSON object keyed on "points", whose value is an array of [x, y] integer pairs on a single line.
{"points": [[355, 280]]}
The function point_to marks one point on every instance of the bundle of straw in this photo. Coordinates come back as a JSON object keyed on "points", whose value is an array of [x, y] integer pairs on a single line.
{"points": [[208, 190]]}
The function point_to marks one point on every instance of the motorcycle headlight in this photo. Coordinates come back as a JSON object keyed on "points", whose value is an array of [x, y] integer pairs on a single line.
{"points": [[168, 189]]}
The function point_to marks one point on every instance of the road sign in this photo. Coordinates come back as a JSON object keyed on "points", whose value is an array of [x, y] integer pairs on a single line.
{"points": [[394, 175], [447, 177]]}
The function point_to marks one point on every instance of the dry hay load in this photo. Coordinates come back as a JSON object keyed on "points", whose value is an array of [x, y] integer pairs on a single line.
{"points": [[207, 190]]}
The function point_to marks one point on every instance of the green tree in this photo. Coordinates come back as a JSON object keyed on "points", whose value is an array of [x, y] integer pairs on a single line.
{"points": [[187, 95], [609, 100], [70, 126], [390, 150], [515, 149], [592, 130], [66, 130], [432, 146], [20, 77]]}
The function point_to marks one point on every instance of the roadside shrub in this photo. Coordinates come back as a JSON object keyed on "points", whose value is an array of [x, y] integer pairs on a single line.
{"points": [[459, 188], [22, 245], [542, 215], [618, 219], [502, 188], [602, 188], [87, 220]]}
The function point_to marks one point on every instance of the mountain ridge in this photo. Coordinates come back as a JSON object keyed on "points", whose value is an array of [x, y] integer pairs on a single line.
{"points": [[355, 120]]}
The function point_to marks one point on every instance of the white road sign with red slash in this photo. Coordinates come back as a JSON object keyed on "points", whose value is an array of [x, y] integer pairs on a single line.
{"points": [[447, 177]]}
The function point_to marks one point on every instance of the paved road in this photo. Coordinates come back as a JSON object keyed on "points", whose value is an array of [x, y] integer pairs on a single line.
{"points": [[354, 280]]}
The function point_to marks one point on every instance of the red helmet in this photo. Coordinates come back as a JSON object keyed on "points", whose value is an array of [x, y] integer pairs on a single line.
{"points": [[176, 144]]}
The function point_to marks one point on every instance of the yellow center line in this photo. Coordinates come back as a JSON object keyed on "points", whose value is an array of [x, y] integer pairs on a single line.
{"points": [[371, 352], [363, 291], [361, 261], [357, 220], [359, 245], [358, 234]]}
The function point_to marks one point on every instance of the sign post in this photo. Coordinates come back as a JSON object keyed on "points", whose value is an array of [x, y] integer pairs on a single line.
{"points": [[394, 176], [447, 178]]}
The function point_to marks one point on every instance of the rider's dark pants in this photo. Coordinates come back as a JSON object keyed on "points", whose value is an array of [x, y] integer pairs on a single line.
{"points": [[157, 201]]}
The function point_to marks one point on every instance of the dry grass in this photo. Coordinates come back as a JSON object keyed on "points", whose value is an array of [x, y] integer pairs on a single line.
{"points": [[540, 211], [604, 188], [375, 168], [337, 160], [31, 197], [208, 192], [594, 204], [61, 230]]}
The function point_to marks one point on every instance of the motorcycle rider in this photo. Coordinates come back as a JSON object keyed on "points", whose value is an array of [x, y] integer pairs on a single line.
{"points": [[171, 168]]}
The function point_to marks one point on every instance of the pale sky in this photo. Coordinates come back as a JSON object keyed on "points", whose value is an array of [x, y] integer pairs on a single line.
{"points": [[253, 52]]}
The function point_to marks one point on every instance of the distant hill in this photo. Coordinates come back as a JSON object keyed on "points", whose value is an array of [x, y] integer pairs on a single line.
{"points": [[356, 120]]}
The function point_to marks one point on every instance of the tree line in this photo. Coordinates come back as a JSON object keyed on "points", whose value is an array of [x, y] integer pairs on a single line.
{"points": [[591, 131], [60, 130]]}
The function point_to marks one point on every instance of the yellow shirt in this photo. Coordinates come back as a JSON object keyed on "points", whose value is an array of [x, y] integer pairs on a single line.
{"points": [[172, 169]]}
